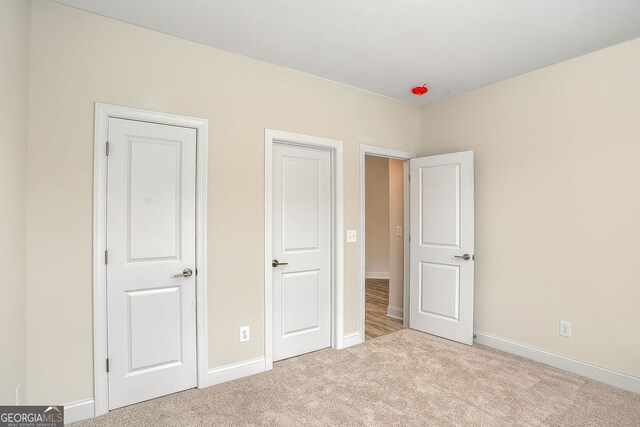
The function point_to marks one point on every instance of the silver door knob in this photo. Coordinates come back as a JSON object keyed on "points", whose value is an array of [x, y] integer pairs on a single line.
{"points": [[187, 272], [465, 257], [276, 263]]}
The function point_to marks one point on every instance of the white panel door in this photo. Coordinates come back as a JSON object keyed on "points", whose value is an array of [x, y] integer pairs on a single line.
{"points": [[150, 240], [302, 222], [442, 246]]}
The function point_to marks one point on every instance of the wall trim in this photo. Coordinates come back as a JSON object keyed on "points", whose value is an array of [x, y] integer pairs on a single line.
{"points": [[377, 275], [234, 371], [391, 154], [395, 312], [103, 112], [351, 339], [272, 137], [78, 411], [576, 366]]}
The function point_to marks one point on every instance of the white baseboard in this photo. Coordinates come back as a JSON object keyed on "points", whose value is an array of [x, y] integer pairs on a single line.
{"points": [[78, 410], [579, 367], [376, 275], [83, 409], [236, 370], [395, 312], [351, 339]]}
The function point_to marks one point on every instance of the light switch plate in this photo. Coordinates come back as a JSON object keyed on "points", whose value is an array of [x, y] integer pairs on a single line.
{"points": [[352, 236], [398, 231]]}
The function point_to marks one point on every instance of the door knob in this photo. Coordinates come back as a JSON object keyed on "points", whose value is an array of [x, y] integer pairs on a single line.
{"points": [[187, 272], [276, 263], [465, 257]]}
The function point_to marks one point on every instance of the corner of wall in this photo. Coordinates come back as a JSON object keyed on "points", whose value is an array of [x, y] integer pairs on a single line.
{"points": [[14, 85]]}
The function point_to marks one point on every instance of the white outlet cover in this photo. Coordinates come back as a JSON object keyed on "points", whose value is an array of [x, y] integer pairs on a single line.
{"points": [[398, 231], [352, 236], [244, 334], [565, 328]]}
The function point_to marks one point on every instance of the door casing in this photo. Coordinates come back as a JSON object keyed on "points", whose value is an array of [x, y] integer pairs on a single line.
{"points": [[370, 150], [103, 112], [272, 137]]}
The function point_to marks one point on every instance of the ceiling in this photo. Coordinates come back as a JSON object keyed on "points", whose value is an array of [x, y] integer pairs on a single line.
{"points": [[389, 46]]}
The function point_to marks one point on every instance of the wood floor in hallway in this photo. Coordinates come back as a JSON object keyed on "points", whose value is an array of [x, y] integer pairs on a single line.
{"points": [[377, 323]]}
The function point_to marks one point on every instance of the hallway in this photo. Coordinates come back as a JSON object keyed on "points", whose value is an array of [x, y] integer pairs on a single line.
{"points": [[377, 323]]}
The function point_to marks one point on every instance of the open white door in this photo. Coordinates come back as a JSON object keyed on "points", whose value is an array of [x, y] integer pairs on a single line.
{"points": [[442, 246]]}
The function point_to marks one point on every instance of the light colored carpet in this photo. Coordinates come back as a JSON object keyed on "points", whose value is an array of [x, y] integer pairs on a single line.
{"points": [[406, 379]]}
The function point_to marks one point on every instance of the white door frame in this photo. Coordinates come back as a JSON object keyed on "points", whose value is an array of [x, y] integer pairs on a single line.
{"points": [[272, 137], [103, 112], [370, 150]]}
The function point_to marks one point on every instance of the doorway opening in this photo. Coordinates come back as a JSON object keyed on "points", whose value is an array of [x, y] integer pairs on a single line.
{"points": [[384, 245], [438, 261], [402, 157]]}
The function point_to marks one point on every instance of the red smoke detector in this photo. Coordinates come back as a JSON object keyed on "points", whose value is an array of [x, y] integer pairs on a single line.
{"points": [[420, 90]]}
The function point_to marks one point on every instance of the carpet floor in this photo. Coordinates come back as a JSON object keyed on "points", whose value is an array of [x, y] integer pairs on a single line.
{"points": [[402, 379]]}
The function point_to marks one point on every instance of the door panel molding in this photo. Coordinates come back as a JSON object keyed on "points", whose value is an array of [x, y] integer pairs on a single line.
{"points": [[272, 137], [370, 150], [104, 112]]}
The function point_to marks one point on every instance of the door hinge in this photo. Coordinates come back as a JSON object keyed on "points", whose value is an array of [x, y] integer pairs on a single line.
{"points": [[107, 148], [106, 257], [107, 365]]}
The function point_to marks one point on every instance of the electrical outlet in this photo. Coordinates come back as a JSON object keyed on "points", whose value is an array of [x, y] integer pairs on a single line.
{"points": [[352, 236], [398, 231], [244, 334], [565, 329]]}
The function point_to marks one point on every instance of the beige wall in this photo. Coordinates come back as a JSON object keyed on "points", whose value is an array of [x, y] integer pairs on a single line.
{"points": [[78, 58], [556, 174], [376, 217], [14, 73], [557, 203], [396, 243]]}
